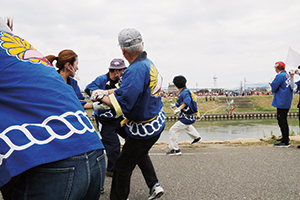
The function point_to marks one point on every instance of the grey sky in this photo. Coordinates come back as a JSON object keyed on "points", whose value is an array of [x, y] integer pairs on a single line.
{"points": [[196, 38]]}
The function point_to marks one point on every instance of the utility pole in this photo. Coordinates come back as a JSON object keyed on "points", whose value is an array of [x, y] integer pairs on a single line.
{"points": [[241, 86], [215, 81]]}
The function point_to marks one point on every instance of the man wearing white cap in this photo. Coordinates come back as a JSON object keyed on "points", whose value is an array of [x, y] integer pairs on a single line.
{"points": [[138, 98]]}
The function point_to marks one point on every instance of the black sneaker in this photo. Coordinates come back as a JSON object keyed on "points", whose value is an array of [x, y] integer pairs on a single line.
{"points": [[196, 140], [279, 140], [174, 152], [281, 144], [109, 173]]}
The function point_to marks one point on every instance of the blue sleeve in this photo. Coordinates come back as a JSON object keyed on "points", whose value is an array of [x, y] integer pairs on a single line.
{"points": [[276, 83], [180, 100], [78, 93], [80, 96], [187, 99], [98, 83], [131, 88], [76, 88]]}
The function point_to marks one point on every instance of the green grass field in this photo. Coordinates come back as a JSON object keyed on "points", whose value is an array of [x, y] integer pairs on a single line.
{"points": [[260, 103]]}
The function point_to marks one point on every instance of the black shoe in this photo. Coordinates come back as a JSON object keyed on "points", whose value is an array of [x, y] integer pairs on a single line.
{"points": [[174, 152], [109, 173], [196, 140], [298, 146], [281, 144], [279, 140]]}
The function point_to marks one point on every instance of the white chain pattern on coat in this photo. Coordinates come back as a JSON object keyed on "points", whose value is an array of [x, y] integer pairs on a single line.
{"points": [[135, 127], [52, 135]]}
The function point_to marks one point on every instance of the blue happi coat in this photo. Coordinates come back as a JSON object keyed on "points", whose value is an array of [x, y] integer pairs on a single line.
{"points": [[41, 118], [283, 94], [74, 85], [138, 98], [188, 115]]}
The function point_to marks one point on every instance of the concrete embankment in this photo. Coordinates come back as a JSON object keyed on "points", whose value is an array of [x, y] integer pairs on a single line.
{"points": [[237, 115]]}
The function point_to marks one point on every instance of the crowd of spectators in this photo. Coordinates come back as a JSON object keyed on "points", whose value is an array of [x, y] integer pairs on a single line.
{"points": [[212, 95]]}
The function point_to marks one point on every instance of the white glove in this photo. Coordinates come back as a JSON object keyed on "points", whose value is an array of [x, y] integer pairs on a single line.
{"points": [[98, 94], [177, 111], [292, 72], [100, 106], [269, 88], [172, 105], [293, 86]]}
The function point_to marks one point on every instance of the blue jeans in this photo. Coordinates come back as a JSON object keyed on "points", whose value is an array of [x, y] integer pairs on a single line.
{"points": [[77, 177]]}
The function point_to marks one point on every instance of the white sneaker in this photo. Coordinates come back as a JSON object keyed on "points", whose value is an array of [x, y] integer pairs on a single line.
{"points": [[156, 192]]}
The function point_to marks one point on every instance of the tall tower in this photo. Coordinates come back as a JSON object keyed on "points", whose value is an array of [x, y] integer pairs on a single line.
{"points": [[215, 81]]}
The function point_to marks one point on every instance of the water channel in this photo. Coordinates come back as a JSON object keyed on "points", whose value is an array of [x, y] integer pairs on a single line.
{"points": [[232, 129], [227, 129]]}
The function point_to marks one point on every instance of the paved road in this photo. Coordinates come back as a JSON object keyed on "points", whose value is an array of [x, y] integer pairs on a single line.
{"points": [[222, 172], [247, 172]]}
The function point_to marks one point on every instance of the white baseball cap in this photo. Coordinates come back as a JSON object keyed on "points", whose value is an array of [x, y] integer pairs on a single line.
{"points": [[129, 37]]}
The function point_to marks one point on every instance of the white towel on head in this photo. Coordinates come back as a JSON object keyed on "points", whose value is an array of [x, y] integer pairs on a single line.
{"points": [[3, 26]]}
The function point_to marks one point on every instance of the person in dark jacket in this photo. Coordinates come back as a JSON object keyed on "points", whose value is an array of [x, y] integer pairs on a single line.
{"points": [[109, 126]]}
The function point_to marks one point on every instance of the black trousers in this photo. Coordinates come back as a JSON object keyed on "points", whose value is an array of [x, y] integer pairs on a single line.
{"points": [[134, 152], [283, 124]]}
